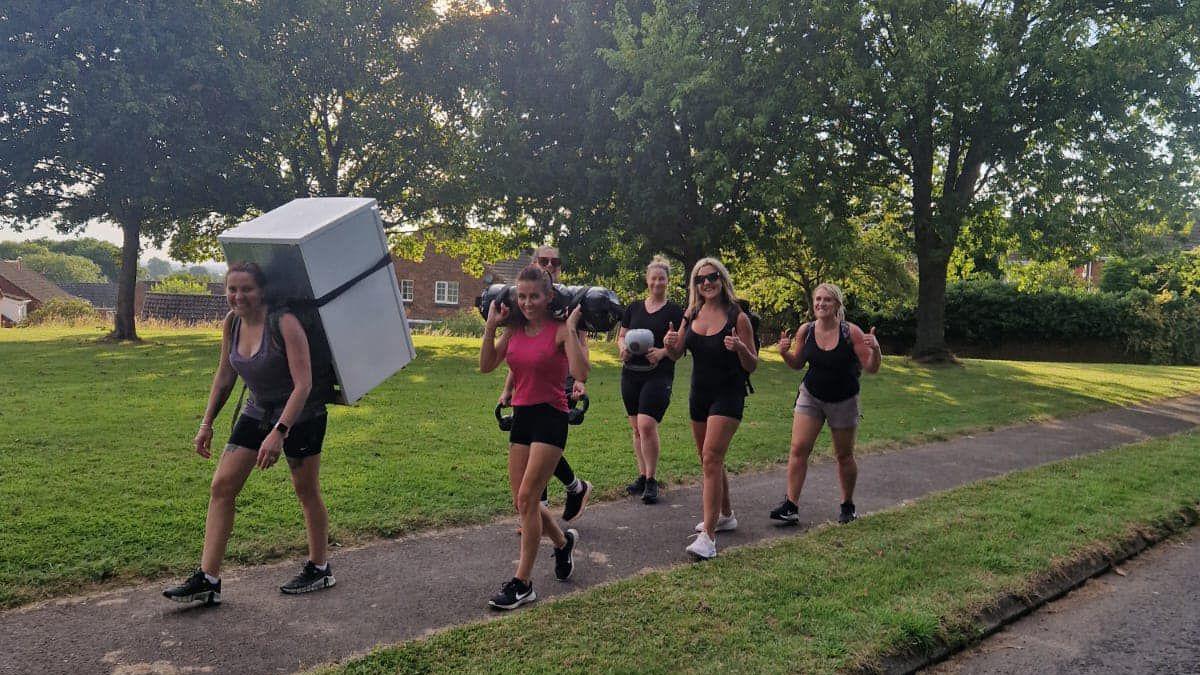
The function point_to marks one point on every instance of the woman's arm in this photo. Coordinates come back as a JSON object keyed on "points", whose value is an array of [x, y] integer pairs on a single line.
{"points": [[866, 347], [742, 343], [575, 344], [218, 394], [492, 352], [793, 353], [674, 341]]}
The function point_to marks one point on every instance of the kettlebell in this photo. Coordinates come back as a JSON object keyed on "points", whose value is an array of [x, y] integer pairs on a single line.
{"points": [[505, 421], [575, 414], [639, 341]]}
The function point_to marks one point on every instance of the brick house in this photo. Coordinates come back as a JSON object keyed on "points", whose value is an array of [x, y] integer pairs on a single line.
{"points": [[437, 287], [103, 296], [24, 291]]}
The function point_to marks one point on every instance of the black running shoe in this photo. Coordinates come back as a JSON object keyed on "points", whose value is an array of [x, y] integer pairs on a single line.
{"points": [[512, 595], [564, 561], [786, 512], [848, 514], [576, 502], [310, 579], [196, 589], [636, 487], [650, 494]]}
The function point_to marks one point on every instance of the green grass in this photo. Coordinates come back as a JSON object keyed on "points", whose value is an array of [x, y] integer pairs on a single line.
{"points": [[840, 597], [98, 482]]}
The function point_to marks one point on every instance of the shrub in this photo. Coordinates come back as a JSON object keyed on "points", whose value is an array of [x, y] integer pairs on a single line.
{"points": [[466, 323], [184, 284], [72, 311]]}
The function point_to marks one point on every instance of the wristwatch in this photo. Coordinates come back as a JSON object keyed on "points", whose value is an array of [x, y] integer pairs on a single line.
{"points": [[282, 428]]}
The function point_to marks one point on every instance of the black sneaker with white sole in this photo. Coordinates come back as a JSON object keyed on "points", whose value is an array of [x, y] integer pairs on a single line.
{"points": [[576, 501], [650, 493], [636, 487], [786, 512], [564, 560], [848, 514], [310, 579], [513, 594], [196, 588]]}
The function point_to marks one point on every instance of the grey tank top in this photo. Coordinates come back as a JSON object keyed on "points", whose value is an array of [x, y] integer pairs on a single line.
{"points": [[267, 377]]}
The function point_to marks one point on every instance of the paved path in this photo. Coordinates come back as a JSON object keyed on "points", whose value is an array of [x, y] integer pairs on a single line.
{"points": [[448, 575], [1147, 621]]}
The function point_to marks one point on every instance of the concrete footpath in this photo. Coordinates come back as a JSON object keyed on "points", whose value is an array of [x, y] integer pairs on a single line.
{"points": [[397, 590], [1143, 620]]}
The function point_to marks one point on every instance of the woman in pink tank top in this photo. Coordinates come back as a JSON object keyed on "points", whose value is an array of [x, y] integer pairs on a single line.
{"points": [[539, 352]]}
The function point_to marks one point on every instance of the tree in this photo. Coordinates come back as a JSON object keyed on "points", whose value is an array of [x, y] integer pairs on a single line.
{"points": [[104, 254], [157, 268], [183, 284], [1081, 120], [135, 112], [64, 269]]}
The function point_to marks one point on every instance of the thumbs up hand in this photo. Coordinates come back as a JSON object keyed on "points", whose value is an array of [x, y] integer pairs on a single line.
{"points": [[870, 340], [785, 342], [671, 339]]}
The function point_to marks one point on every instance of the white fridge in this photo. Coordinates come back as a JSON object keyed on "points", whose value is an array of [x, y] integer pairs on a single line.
{"points": [[333, 250]]}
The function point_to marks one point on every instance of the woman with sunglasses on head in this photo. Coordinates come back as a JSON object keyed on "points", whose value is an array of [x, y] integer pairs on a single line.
{"points": [[721, 339], [646, 379], [278, 419], [836, 351], [578, 490], [539, 352]]}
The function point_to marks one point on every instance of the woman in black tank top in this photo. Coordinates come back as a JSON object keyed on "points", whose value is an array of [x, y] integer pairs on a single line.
{"points": [[836, 352], [721, 340]]}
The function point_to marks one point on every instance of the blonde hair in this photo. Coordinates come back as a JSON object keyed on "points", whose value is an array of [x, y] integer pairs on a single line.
{"points": [[837, 294], [661, 263], [695, 302]]}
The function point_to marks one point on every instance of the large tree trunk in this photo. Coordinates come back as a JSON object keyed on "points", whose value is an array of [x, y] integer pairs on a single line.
{"points": [[930, 342], [124, 327]]}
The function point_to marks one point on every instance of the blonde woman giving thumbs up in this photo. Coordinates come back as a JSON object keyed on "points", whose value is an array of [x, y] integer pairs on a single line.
{"points": [[836, 352]]}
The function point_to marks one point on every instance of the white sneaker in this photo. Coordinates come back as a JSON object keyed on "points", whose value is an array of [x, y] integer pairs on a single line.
{"points": [[703, 548], [724, 524]]}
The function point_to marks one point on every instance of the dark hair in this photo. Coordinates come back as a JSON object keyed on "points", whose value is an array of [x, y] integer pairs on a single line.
{"points": [[249, 268]]}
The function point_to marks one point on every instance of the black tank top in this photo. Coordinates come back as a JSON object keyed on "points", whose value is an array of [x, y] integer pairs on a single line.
{"points": [[832, 375], [715, 368]]}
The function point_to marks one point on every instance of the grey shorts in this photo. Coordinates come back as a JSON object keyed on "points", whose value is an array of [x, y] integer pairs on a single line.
{"points": [[841, 415]]}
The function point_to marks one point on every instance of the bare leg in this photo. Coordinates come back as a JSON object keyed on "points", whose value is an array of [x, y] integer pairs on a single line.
{"points": [[804, 435], [529, 470], [233, 468], [716, 491], [637, 445], [843, 449], [648, 430], [306, 481]]}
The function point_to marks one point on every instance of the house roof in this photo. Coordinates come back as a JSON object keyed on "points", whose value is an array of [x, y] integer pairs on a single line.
{"points": [[506, 271], [14, 296], [185, 308], [36, 286], [102, 296]]}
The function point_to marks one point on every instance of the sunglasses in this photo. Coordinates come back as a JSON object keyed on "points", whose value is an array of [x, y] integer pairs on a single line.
{"points": [[550, 262], [711, 277]]}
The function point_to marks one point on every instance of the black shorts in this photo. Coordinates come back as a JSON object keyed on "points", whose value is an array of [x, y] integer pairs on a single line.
{"points": [[541, 423], [303, 440], [702, 404], [646, 395]]}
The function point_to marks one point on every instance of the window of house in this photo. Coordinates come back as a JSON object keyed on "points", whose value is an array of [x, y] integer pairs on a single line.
{"points": [[445, 292], [406, 290]]}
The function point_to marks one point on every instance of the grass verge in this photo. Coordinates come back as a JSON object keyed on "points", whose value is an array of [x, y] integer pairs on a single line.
{"points": [[838, 598], [98, 483]]}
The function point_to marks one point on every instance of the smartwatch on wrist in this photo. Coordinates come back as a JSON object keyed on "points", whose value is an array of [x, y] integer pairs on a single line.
{"points": [[282, 428]]}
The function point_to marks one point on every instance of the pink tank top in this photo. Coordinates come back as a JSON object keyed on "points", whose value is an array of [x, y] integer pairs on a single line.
{"points": [[538, 366]]}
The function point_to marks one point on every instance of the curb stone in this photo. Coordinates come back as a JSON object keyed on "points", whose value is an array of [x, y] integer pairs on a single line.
{"points": [[1011, 607]]}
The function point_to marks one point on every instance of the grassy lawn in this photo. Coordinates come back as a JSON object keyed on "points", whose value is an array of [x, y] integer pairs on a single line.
{"points": [[98, 482], [840, 597]]}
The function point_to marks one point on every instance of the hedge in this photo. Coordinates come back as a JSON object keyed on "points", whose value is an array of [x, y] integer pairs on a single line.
{"points": [[1155, 329]]}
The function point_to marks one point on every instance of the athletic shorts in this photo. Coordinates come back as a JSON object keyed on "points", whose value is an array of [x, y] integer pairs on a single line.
{"points": [[703, 404], [841, 415], [541, 423], [303, 440], [645, 395]]}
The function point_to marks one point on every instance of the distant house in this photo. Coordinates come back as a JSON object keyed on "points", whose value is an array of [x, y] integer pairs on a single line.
{"points": [[24, 291], [437, 287]]}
